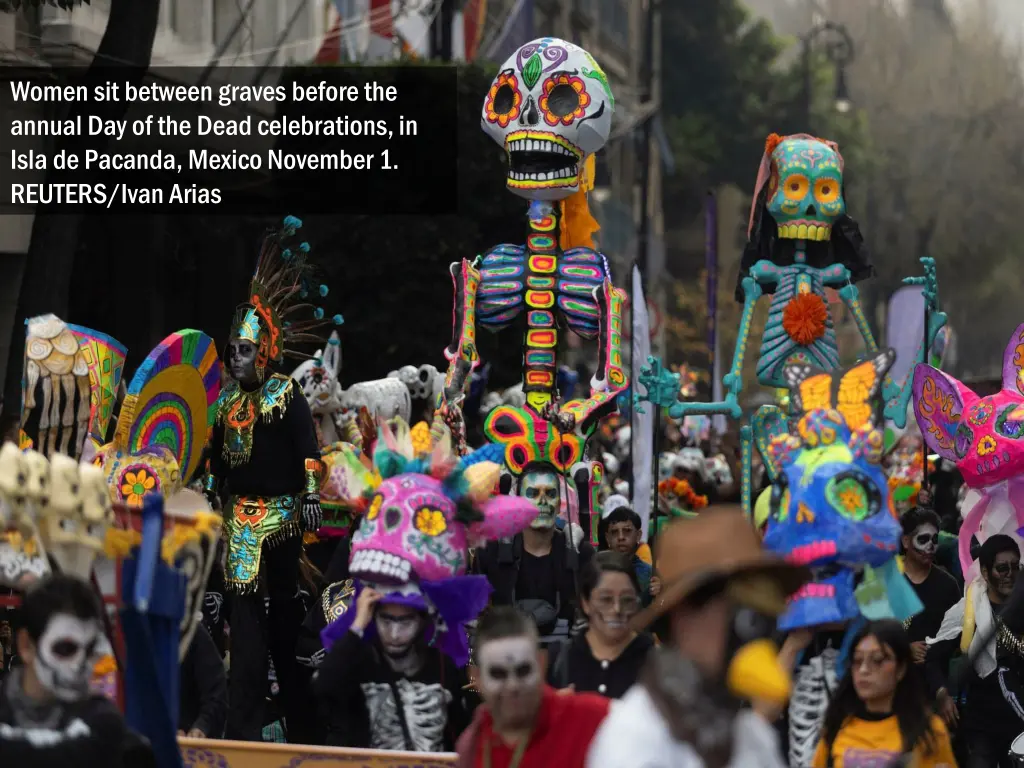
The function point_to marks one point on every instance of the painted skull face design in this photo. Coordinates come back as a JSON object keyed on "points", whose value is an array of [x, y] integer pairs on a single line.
{"points": [[64, 656], [542, 489], [510, 678], [805, 190], [242, 361], [398, 627], [925, 540], [550, 107]]}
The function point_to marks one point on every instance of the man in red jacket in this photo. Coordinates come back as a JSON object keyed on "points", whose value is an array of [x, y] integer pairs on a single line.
{"points": [[523, 723]]}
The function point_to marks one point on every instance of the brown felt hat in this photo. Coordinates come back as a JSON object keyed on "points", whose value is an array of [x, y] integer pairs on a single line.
{"points": [[714, 545]]}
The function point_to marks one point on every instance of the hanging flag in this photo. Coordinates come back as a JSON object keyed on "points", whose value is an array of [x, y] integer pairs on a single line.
{"points": [[515, 32], [382, 20], [641, 424], [474, 13], [330, 48]]}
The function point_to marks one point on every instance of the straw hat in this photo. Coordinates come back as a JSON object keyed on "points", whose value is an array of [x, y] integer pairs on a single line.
{"points": [[720, 543]]}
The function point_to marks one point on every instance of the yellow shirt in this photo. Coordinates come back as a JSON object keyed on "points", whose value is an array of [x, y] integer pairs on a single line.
{"points": [[869, 743]]}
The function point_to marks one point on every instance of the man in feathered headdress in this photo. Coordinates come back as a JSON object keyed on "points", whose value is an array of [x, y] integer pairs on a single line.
{"points": [[265, 462]]}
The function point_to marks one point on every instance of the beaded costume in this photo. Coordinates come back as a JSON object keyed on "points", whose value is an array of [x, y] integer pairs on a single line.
{"points": [[265, 463]]}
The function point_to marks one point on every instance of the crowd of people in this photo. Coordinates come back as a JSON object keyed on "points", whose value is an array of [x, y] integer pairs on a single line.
{"points": [[569, 631]]}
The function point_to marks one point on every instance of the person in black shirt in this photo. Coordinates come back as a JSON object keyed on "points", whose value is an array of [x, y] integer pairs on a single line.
{"points": [[536, 571], [607, 658], [393, 692], [993, 691], [937, 590], [265, 463], [48, 719], [203, 705]]}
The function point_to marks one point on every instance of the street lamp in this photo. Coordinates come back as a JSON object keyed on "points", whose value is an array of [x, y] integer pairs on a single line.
{"points": [[838, 46]]}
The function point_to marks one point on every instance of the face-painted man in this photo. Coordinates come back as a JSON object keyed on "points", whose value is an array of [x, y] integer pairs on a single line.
{"points": [[398, 628], [524, 722], [242, 362], [542, 488]]}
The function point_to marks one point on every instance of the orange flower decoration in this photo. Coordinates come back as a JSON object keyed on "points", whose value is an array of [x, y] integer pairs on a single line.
{"points": [[581, 107], [804, 318], [682, 490], [504, 118]]}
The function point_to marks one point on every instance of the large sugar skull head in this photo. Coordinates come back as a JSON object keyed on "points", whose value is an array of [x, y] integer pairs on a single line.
{"points": [[424, 514], [805, 188], [829, 506], [984, 437], [550, 107]]}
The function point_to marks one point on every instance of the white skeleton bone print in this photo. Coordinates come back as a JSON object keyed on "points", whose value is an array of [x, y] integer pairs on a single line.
{"points": [[813, 684], [426, 713]]}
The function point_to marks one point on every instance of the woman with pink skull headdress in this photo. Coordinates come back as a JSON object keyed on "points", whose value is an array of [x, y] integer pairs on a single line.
{"points": [[392, 677]]}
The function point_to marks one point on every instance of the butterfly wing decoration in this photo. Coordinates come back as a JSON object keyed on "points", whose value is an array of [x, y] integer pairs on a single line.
{"points": [[853, 391]]}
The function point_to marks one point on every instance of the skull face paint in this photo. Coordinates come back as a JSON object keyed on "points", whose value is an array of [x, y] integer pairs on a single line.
{"points": [[612, 604], [805, 190], [398, 627], [542, 489], [550, 107], [925, 540], [510, 679], [242, 361], [64, 656]]}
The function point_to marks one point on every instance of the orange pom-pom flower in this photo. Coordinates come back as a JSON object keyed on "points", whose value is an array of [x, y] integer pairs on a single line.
{"points": [[804, 318]]}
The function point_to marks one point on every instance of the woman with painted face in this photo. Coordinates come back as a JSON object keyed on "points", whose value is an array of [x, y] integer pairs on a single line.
{"points": [[936, 588], [993, 679], [881, 709], [608, 657], [47, 715], [393, 692]]}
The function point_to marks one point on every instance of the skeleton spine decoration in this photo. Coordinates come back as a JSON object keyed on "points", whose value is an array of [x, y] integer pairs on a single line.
{"points": [[550, 108], [982, 436], [800, 243], [75, 372], [422, 509]]}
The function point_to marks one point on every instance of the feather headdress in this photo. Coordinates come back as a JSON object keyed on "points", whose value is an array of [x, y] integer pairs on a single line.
{"points": [[278, 314]]}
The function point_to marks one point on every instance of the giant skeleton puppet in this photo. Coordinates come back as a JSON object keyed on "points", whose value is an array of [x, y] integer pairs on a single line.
{"points": [[801, 244], [550, 108], [265, 463]]}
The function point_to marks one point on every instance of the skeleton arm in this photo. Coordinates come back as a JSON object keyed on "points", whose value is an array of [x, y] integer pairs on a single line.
{"points": [[610, 379], [462, 353]]}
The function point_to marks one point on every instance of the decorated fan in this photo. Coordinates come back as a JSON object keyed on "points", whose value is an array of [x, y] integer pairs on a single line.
{"points": [[165, 419], [105, 357]]}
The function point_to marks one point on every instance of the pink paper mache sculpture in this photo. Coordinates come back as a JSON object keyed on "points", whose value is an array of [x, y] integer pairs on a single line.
{"points": [[421, 516], [984, 437]]}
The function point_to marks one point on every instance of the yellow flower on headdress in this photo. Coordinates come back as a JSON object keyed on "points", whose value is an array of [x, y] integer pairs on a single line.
{"points": [[431, 521], [136, 485]]}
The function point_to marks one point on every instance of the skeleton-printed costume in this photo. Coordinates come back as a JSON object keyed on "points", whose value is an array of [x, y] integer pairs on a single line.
{"points": [[265, 464], [424, 511], [981, 435]]}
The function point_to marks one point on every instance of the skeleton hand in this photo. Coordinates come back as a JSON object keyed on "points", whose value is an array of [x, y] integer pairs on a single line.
{"points": [[661, 385], [930, 281], [312, 515], [565, 422]]}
